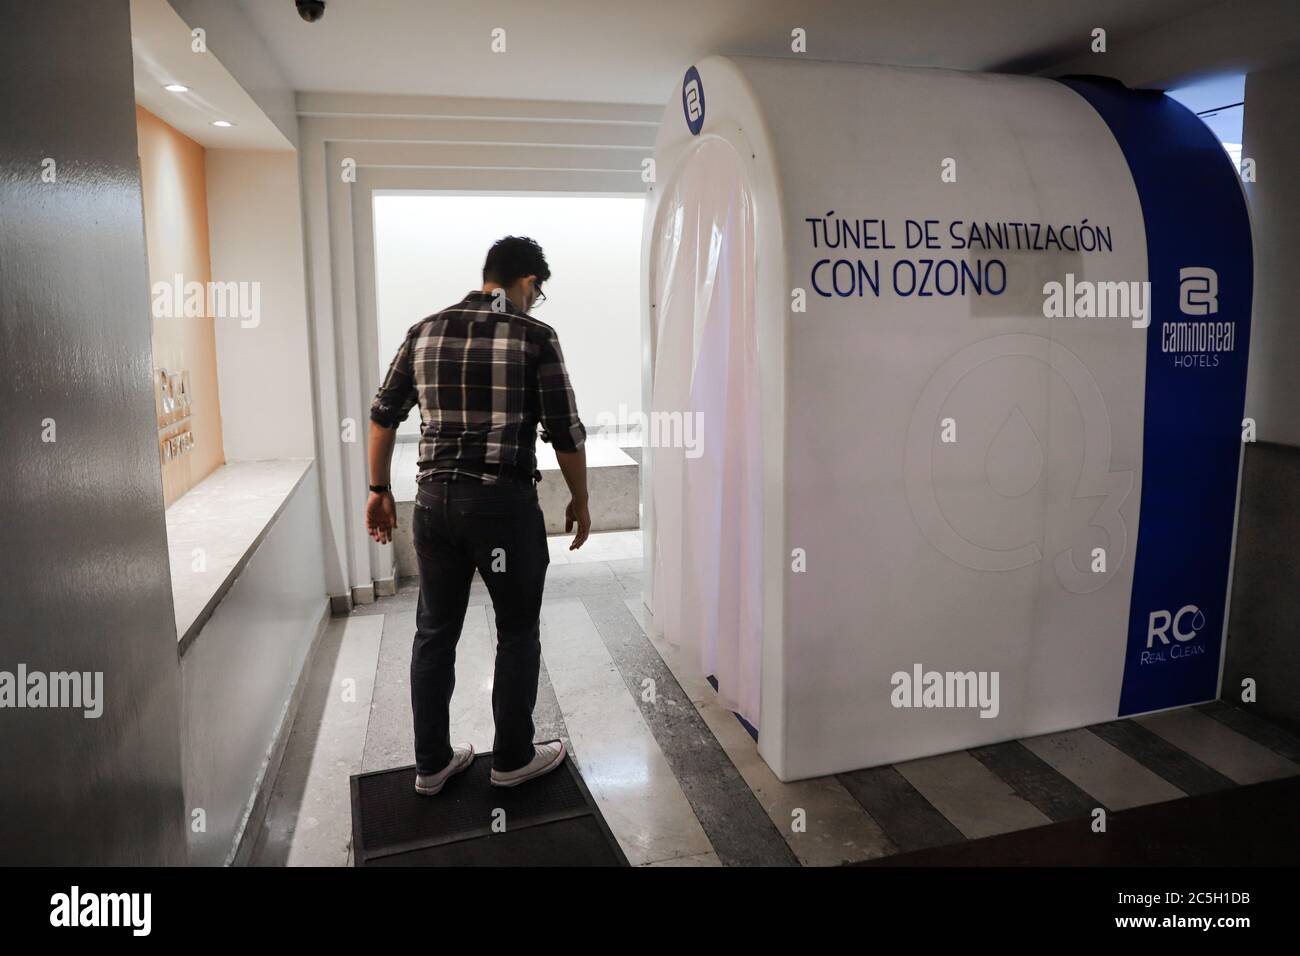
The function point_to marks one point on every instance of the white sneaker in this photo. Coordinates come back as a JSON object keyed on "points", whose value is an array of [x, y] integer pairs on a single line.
{"points": [[427, 784], [546, 757]]}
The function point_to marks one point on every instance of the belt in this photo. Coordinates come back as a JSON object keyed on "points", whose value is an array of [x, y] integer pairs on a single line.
{"points": [[507, 473]]}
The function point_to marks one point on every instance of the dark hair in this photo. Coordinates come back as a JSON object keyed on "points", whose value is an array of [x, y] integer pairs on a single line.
{"points": [[512, 258]]}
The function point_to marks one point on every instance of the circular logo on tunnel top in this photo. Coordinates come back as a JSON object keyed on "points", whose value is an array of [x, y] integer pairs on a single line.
{"points": [[693, 100]]}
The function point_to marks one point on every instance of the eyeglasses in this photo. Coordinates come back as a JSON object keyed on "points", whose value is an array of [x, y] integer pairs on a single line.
{"points": [[541, 297]]}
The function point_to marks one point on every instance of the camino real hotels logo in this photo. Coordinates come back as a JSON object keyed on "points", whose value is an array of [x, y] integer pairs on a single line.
{"points": [[693, 100], [1183, 625], [1190, 343], [1198, 343]]}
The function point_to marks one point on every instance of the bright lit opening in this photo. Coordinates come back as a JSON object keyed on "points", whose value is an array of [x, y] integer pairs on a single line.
{"points": [[429, 252], [1220, 103]]}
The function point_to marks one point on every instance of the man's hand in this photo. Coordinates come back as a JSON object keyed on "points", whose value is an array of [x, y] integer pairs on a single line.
{"points": [[576, 513], [381, 516], [573, 465]]}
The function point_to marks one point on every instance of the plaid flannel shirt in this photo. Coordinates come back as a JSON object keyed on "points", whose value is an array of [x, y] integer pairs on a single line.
{"points": [[484, 380]]}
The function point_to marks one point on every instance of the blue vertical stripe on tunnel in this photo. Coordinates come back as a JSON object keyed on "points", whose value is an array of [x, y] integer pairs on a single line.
{"points": [[1195, 216]]}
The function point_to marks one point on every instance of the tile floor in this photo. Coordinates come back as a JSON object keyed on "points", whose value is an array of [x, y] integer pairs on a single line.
{"points": [[679, 780]]}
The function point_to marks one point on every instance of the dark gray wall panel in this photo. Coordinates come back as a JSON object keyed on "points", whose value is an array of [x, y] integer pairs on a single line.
{"points": [[1271, 137], [1264, 624], [84, 580]]}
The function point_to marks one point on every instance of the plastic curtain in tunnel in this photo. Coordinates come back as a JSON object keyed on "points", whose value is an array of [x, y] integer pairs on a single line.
{"points": [[706, 476]]}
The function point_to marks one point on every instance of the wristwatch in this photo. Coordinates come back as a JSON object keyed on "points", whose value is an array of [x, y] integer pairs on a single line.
{"points": [[381, 489]]}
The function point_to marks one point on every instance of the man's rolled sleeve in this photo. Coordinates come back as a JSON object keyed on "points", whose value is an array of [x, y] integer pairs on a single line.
{"points": [[397, 395], [561, 425]]}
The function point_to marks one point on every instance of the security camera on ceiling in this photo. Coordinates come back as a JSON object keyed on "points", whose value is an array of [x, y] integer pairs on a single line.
{"points": [[310, 10]]}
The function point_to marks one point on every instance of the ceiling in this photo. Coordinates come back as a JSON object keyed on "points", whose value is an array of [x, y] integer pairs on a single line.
{"points": [[161, 52], [633, 51]]}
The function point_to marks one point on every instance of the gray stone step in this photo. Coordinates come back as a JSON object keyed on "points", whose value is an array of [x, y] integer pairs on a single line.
{"points": [[614, 491]]}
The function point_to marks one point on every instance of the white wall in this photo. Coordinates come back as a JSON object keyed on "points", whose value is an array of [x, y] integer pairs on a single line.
{"points": [[264, 372], [240, 672], [433, 144], [429, 251]]}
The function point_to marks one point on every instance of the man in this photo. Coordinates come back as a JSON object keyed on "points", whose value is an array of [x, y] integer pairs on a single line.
{"points": [[485, 374]]}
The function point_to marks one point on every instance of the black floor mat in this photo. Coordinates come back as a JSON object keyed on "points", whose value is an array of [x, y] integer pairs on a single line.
{"points": [[550, 821]]}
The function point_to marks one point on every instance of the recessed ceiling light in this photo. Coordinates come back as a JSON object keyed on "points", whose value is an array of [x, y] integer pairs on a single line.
{"points": [[222, 123], [176, 88]]}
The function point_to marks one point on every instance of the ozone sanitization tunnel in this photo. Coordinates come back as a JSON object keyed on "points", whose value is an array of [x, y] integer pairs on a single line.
{"points": [[962, 357]]}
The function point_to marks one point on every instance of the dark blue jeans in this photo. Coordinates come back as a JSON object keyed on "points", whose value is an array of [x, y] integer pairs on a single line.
{"points": [[498, 530]]}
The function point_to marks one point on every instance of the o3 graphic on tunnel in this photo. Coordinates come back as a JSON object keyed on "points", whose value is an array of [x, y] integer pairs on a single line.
{"points": [[693, 101], [1095, 481]]}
